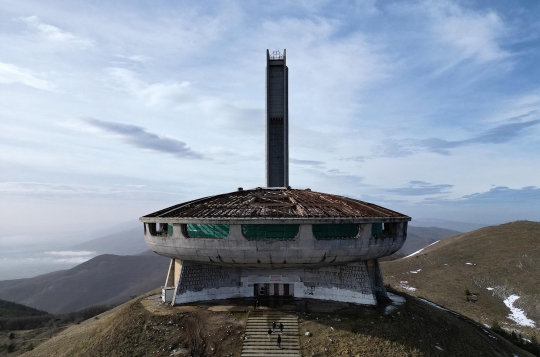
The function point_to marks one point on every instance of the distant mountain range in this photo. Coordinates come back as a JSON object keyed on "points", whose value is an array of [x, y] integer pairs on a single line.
{"points": [[420, 237], [446, 224], [103, 280], [488, 274], [127, 242]]}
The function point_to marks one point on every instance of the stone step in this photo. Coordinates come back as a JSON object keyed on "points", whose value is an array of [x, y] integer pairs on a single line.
{"points": [[270, 342], [259, 344], [265, 328], [277, 321], [254, 333], [264, 331], [271, 346], [271, 354]]}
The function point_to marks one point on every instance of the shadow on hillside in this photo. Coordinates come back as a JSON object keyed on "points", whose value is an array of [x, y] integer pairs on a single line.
{"points": [[413, 328]]}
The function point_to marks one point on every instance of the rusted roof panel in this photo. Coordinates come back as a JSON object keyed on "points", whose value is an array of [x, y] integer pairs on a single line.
{"points": [[275, 203]]}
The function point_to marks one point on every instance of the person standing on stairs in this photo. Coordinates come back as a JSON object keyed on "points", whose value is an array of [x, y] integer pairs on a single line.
{"points": [[279, 341], [280, 327], [269, 333], [273, 326]]}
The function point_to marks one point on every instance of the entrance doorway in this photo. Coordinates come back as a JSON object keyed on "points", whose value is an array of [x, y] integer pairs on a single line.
{"points": [[273, 290]]}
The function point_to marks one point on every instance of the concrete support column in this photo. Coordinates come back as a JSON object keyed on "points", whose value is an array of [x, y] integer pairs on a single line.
{"points": [[374, 270]]}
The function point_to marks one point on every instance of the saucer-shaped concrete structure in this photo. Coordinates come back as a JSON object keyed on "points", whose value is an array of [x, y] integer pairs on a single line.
{"points": [[275, 241]]}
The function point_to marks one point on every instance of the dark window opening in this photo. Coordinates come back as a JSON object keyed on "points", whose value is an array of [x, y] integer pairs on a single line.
{"points": [[335, 231], [270, 231], [382, 230]]}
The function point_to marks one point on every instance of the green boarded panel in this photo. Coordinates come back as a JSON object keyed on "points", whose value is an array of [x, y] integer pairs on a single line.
{"points": [[218, 231], [170, 229], [376, 228], [335, 231], [270, 231]]}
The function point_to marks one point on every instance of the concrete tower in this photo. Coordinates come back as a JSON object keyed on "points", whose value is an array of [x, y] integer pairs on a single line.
{"points": [[277, 120]]}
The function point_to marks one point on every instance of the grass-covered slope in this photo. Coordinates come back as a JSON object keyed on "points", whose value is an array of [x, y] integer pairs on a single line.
{"points": [[133, 330], [414, 329], [145, 328], [493, 263]]}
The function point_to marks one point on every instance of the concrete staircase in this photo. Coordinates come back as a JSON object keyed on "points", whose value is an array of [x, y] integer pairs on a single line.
{"points": [[259, 345]]}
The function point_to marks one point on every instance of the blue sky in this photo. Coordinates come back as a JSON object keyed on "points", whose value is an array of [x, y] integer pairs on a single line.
{"points": [[111, 110]]}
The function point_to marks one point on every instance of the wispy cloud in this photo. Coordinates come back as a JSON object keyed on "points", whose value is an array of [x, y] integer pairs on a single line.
{"points": [[421, 188], [181, 95], [498, 135], [473, 34], [67, 190], [502, 194], [134, 58], [353, 158], [10, 73], [53, 33], [306, 162], [139, 137], [151, 93]]}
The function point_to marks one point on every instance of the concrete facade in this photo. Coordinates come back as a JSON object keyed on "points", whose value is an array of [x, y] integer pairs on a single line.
{"points": [[346, 283], [302, 251], [343, 270]]}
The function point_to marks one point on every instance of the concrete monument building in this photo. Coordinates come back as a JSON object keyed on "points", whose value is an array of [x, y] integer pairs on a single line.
{"points": [[275, 241]]}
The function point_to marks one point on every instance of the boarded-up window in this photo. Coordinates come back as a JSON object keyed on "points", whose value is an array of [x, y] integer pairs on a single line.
{"points": [[270, 231], [216, 231], [376, 229], [335, 231]]}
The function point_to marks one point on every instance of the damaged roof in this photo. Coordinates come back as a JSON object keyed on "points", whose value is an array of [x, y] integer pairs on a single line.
{"points": [[275, 203]]}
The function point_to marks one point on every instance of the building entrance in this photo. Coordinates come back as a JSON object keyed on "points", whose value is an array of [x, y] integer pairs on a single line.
{"points": [[273, 290]]}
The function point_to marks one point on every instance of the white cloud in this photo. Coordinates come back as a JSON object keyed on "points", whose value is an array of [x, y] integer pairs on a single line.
{"points": [[10, 74], [152, 94], [53, 33], [134, 58], [473, 34]]}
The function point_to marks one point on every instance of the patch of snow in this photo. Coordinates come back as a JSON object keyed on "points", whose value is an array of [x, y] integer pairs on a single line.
{"points": [[404, 285], [415, 271], [516, 314], [469, 263], [418, 251], [396, 299], [490, 289], [439, 348]]}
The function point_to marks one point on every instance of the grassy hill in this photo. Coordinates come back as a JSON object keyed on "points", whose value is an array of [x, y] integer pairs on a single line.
{"points": [[492, 263], [104, 280], [143, 327]]}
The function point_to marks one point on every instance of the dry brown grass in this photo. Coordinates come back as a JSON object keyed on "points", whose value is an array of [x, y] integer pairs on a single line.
{"points": [[505, 257], [415, 329], [132, 330]]}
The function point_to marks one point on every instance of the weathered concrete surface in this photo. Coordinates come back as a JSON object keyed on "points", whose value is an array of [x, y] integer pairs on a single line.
{"points": [[302, 251], [344, 283]]}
